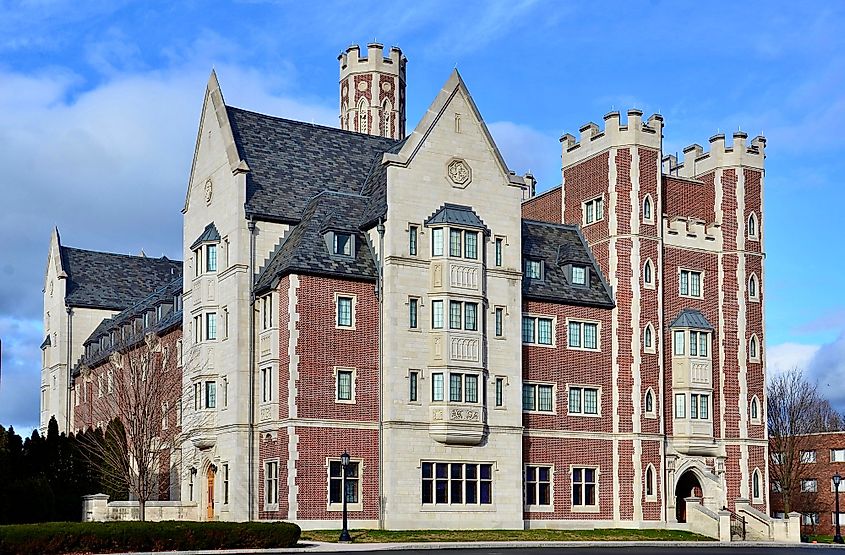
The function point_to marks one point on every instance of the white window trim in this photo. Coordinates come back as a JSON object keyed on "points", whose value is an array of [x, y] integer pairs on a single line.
{"points": [[701, 284], [652, 414], [351, 507], [651, 284], [842, 487], [756, 235], [755, 358], [273, 384], [755, 419], [419, 311], [408, 241], [584, 211], [272, 506], [550, 508], [653, 496], [354, 298], [536, 343], [813, 451], [582, 348], [650, 219], [335, 372], [809, 482], [755, 298], [653, 349], [582, 414], [419, 374], [537, 397], [504, 335], [505, 384], [585, 508], [760, 486], [504, 240]]}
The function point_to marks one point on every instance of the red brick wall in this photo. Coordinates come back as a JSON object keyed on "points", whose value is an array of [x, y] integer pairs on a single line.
{"points": [[584, 181], [563, 454], [563, 366], [690, 199], [545, 207]]}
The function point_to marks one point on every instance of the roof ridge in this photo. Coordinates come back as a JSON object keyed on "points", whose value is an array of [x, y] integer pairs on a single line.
{"points": [[162, 257], [553, 189], [316, 125], [571, 227]]}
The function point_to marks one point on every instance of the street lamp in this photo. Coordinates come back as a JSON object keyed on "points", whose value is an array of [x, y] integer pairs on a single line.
{"points": [[344, 534], [836, 479]]}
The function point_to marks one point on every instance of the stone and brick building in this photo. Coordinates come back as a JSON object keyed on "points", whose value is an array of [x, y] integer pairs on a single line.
{"points": [[590, 356]]}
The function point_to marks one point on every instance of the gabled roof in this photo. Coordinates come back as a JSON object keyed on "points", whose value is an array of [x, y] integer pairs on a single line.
{"points": [[46, 343], [457, 214], [291, 161], [209, 234], [557, 245], [375, 187], [304, 248], [691, 318], [113, 281]]}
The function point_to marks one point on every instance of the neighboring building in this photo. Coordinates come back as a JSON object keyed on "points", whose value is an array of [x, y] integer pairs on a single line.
{"points": [[822, 455], [595, 361]]}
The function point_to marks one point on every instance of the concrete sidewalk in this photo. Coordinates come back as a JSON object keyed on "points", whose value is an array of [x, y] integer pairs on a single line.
{"points": [[326, 547]]}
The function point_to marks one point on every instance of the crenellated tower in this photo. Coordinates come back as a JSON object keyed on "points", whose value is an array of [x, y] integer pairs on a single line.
{"points": [[372, 91]]}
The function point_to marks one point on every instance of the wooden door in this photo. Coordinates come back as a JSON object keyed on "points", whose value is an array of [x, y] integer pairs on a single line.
{"points": [[210, 497]]}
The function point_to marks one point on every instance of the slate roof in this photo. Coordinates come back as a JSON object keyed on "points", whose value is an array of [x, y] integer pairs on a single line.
{"points": [[172, 318], [304, 249], [375, 187], [557, 245], [209, 234], [691, 318], [456, 214], [46, 343], [291, 161], [113, 281]]}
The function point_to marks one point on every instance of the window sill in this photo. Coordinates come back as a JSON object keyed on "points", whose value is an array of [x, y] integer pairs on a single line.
{"points": [[543, 412], [585, 509], [583, 415], [649, 286], [594, 222], [271, 507], [351, 507], [541, 345], [700, 297], [345, 401], [650, 415], [651, 499], [650, 351], [583, 349], [350, 328]]}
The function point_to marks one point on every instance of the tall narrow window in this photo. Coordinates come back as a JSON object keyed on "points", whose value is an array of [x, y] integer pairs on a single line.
{"points": [[344, 385], [499, 246], [471, 244], [210, 395], [455, 387], [680, 405], [647, 209], [266, 384], [649, 482], [211, 258], [752, 287], [753, 348], [471, 316], [500, 392], [500, 316], [752, 226], [412, 240], [755, 410], [648, 338], [755, 485], [454, 315], [579, 275], [225, 484], [649, 402], [454, 242], [413, 385], [437, 242], [584, 487], [271, 482], [437, 314], [413, 309], [211, 325], [679, 342], [648, 278], [197, 261]]}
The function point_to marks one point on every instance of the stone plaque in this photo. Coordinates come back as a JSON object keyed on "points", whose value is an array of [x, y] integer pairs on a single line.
{"points": [[459, 172]]}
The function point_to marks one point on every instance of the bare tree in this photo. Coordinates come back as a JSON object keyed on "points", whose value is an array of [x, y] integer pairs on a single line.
{"points": [[795, 410], [138, 388]]}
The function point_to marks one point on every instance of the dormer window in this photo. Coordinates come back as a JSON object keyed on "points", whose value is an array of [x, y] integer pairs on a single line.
{"points": [[533, 269], [579, 275], [343, 244]]}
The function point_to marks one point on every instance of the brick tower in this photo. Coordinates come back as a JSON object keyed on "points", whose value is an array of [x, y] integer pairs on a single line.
{"points": [[372, 91]]}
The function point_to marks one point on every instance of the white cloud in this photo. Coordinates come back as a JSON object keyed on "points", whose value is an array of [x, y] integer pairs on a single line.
{"points": [[526, 149], [786, 356]]}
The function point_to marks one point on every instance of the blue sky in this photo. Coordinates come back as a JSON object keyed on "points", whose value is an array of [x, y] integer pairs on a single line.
{"points": [[99, 104]]}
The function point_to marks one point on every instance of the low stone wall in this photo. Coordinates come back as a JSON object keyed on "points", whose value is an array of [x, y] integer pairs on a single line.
{"points": [[96, 508]]}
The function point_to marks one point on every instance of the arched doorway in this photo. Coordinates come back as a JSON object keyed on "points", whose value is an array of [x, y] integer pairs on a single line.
{"points": [[687, 486], [209, 507]]}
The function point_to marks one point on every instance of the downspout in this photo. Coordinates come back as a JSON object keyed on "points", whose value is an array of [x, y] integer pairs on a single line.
{"points": [[251, 482], [69, 355], [379, 285]]}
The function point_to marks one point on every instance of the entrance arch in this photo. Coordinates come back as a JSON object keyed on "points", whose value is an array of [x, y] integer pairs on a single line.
{"points": [[688, 485]]}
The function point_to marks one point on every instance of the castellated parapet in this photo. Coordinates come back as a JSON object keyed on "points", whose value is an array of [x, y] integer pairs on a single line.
{"points": [[697, 162], [372, 91], [594, 140]]}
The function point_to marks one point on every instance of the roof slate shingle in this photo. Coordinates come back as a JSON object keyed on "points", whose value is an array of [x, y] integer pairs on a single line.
{"points": [[557, 245], [113, 281], [304, 249], [691, 318], [456, 214], [291, 161], [209, 234]]}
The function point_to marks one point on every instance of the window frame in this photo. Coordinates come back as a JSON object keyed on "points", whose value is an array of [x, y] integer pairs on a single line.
{"points": [[499, 322], [648, 275], [589, 213], [584, 507], [267, 384], [753, 283], [498, 251], [752, 227], [650, 412], [536, 318], [582, 389], [648, 203], [209, 394], [414, 386], [337, 371], [756, 344], [530, 262], [356, 481], [582, 324], [650, 497], [536, 397], [536, 484], [689, 273], [437, 246], [438, 312], [413, 239], [650, 347], [432, 482], [414, 313], [353, 300], [350, 244], [210, 322], [271, 485], [209, 249]]}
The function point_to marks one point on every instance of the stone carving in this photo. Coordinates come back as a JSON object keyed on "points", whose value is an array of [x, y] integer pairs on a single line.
{"points": [[459, 172], [209, 189], [437, 414], [465, 415]]}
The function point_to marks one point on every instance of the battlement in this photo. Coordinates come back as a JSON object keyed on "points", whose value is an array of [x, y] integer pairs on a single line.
{"points": [[352, 62], [692, 233], [697, 161], [594, 140]]}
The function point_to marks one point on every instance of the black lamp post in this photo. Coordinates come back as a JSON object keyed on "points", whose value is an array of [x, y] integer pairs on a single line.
{"points": [[836, 479], [344, 534]]}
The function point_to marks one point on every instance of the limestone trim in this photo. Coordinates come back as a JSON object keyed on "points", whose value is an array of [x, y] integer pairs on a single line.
{"points": [[613, 278]]}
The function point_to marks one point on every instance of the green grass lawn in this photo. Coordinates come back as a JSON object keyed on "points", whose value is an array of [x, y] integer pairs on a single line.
{"points": [[613, 534]]}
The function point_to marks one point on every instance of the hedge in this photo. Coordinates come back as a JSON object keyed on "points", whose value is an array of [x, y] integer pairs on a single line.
{"points": [[56, 538]]}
